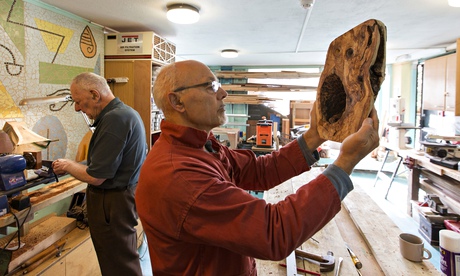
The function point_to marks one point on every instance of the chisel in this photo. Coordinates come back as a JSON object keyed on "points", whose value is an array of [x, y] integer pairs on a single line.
{"points": [[354, 258]]}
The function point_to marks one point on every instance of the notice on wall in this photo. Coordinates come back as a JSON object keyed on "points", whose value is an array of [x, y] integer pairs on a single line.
{"points": [[129, 43]]}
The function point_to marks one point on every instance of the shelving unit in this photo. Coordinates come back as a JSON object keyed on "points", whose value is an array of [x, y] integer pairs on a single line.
{"points": [[265, 75], [236, 83], [149, 52]]}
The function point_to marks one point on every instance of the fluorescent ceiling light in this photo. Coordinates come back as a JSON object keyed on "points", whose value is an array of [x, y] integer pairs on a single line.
{"points": [[229, 53], [454, 3], [182, 14]]}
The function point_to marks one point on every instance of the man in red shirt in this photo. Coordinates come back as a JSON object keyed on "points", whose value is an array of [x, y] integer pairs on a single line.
{"points": [[192, 194]]}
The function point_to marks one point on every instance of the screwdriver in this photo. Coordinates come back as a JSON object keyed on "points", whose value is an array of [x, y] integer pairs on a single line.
{"points": [[354, 258]]}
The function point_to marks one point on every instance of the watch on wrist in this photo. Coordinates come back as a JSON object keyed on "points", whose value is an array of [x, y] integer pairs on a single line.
{"points": [[316, 155]]}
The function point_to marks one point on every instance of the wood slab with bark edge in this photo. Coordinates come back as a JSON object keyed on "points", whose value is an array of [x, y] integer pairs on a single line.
{"points": [[351, 80]]}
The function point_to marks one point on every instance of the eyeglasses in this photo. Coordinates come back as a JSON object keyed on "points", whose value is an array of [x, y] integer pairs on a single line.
{"points": [[215, 85]]}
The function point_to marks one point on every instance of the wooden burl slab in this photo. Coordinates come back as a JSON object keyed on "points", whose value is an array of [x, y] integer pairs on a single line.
{"points": [[351, 80]]}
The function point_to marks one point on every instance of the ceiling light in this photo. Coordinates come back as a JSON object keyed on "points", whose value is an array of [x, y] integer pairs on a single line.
{"points": [[454, 3], [229, 53], [182, 14]]}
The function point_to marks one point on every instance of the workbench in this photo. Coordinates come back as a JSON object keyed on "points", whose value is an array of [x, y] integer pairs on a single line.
{"points": [[436, 179], [78, 256], [361, 224], [44, 197]]}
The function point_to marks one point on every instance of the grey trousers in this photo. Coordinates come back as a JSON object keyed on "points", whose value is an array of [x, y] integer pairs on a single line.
{"points": [[112, 217]]}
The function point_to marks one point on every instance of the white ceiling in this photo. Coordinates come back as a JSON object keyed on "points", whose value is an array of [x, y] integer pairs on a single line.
{"points": [[272, 33]]}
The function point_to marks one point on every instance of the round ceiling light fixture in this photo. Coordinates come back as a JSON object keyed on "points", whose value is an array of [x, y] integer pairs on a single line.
{"points": [[454, 3], [229, 53], [182, 14]]}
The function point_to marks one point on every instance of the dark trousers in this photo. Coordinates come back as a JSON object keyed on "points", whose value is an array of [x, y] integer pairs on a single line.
{"points": [[112, 217]]}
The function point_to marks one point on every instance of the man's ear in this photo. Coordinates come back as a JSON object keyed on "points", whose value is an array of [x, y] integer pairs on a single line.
{"points": [[95, 94], [175, 102]]}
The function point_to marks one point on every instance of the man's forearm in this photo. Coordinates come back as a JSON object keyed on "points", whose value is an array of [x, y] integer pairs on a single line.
{"points": [[78, 171]]}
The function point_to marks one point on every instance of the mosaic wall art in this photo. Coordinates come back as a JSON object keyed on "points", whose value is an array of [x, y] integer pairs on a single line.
{"points": [[40, 52]]}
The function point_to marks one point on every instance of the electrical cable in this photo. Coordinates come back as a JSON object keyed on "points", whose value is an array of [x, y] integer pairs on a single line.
{"points": [[18, 232], [141, 256]]}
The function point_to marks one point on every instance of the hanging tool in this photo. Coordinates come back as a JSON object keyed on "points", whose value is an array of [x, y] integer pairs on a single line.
{"points": [[354, 258]]}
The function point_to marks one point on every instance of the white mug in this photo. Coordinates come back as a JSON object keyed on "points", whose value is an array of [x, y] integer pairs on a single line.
{"points": [[411, 248]]}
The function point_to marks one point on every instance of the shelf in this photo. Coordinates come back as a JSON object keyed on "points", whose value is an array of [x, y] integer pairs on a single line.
{"points": [[247, 99], [238, 115], [446, 197], [265, 75], [236, 124], [256, 87]]}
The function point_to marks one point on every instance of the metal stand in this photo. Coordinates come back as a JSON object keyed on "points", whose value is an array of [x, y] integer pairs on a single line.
{"points": [[381, 174]]}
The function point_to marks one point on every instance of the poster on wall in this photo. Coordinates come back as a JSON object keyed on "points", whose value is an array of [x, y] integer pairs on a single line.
{"points": [[129, 43]]}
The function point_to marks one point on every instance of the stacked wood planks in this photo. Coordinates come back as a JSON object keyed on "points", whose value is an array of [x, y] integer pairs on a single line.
{"points": [[247, 99], [265, 75], [261, 87]]}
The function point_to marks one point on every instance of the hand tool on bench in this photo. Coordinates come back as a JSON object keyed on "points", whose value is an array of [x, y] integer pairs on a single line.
{"points": [[326, 262], [303, 271], [56, 252], [354, 258], [337, 270], [53, 250]]}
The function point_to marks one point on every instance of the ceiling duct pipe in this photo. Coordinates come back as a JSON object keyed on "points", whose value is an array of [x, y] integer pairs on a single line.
{"points": [[308, 5]]}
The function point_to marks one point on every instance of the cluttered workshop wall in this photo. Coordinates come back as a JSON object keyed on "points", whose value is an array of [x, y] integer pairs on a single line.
{"points": [[41, 50]]}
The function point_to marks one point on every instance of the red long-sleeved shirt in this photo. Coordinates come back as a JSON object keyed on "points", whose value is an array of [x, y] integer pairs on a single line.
{"points": [[198, 217]]}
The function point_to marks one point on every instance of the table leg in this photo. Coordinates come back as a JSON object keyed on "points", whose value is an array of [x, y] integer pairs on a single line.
{"points": [[413, 185]]}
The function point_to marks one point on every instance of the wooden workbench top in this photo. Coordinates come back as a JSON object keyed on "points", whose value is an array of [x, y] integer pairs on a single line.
{"points": [[361, 224]]}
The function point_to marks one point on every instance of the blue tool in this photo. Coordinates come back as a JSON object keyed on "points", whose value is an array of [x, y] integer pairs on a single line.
{"points": [[12, 168]]}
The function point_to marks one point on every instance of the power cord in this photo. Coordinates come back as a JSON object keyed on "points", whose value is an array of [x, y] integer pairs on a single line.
{"points": [[18, 232], [144, 240]]}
